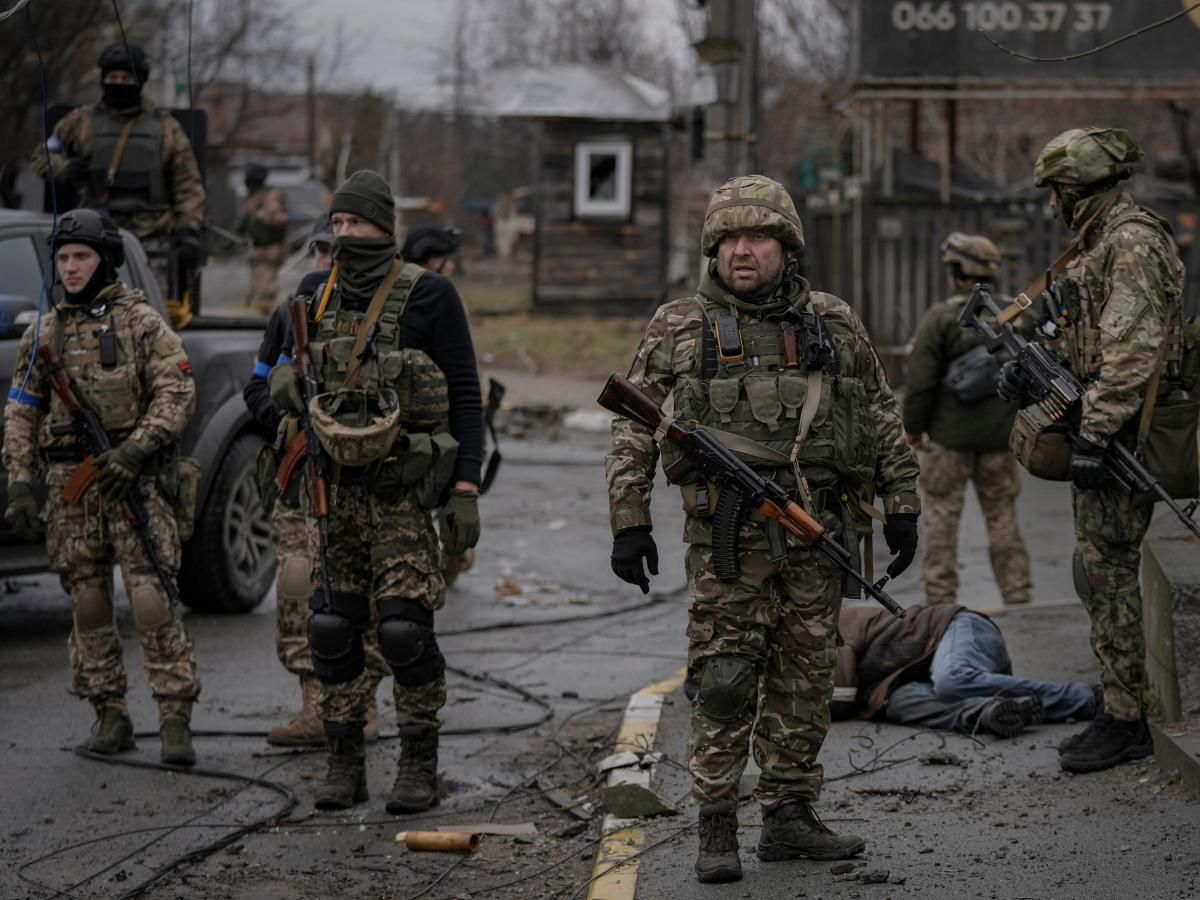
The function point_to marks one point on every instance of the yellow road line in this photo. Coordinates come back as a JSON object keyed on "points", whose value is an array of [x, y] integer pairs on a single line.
{"points": [[638, 731]]}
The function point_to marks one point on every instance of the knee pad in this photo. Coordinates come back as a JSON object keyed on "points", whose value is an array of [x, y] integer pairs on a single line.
{"points": [[92, 607], [1083, 588], [407, 641], [151, 608], [727, 688], [295, 578], [335, 637]]}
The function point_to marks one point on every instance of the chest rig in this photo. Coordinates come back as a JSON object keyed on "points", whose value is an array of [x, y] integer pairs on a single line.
{"points": [[780, 380], [1076, 302], [96, 346], [126, 171], [385, 362]]}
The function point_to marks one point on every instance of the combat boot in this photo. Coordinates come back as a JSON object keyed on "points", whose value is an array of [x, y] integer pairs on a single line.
{"points": [[1068, 742], [416, 787], [794, 831], [1008, 717], [718, 858], [176, 737], [346, 774], [1107, 742], [305, 729], [112, 732]]}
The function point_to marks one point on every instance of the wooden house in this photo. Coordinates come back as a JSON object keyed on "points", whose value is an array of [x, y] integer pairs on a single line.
{"points": [[600, 186]]}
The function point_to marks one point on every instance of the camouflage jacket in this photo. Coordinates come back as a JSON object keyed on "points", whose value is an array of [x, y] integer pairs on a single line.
{"points": [[72, 139], [148, 395], [928, 407], [669, 359], [264, 222], [1130, 283]]}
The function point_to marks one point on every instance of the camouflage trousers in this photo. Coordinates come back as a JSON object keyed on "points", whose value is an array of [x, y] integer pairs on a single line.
{"points": [[1109, 528], [944, 477], [382, 550], [294, 588], [82, 543], [779, 620]]}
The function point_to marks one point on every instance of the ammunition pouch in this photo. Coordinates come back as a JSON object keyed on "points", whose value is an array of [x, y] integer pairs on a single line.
{"points": [[1170, 449], [1040, 444], [973, 376]]}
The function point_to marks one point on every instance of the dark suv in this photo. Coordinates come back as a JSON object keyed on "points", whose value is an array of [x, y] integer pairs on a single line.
{"points": [[229, 563]]}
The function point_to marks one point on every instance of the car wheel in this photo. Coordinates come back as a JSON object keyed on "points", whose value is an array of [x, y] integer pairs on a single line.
{"points": [[229, 563]]}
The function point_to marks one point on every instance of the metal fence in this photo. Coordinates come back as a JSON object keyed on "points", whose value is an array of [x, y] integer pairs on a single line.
{"points": [[882, 255]]}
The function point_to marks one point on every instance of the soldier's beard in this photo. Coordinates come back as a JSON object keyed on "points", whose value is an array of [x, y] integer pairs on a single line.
{"points": [[763, 288]]}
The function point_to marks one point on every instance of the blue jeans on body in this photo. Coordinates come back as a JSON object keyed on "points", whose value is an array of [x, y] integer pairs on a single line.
{"points": [[970, 666]]}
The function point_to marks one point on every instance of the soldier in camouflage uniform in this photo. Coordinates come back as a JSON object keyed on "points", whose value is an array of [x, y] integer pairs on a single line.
{"points": [[264, 222], [417, 446], [960, 441], [763, 645], [154, 188], [132, 369], [291, 532], [1118, 319]]}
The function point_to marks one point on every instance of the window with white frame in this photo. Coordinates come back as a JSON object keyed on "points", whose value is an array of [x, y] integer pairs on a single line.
{"points": [[603, 178]]}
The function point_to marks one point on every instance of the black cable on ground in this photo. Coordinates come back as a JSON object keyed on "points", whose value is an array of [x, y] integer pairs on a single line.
{"points": [[655, 600], [290, 803]]}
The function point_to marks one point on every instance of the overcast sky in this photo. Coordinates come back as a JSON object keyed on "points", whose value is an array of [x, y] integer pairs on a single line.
{"points": [[399, 45]]}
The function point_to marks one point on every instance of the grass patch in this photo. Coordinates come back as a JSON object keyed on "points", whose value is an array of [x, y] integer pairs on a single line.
{"points": [[481, 295], [580, 346]]}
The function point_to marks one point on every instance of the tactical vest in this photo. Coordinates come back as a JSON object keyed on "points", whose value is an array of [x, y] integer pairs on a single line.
{"points": [[762, 394], [420, 386], [98, 352], [139, 184], [1081, 295]]}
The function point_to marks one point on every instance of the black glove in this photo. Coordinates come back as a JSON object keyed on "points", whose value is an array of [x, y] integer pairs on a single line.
{"points": [[630, 547], [1013, 386], [187, 248], [77, 172], [1087, 465], [900, 532]]}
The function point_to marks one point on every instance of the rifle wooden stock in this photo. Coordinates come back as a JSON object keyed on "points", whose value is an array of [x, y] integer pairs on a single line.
{"points": [[60, 379], [81, 479], [621, 397]]}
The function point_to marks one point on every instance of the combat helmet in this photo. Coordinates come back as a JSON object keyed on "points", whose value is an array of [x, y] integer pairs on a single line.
{"points": [[92, 228], [1086, 156], [356, 427], [751, 203], [972, 255]]}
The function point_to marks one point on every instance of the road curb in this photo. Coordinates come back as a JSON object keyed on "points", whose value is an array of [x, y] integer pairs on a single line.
{"points": [[621, 839], [1178, 748]]}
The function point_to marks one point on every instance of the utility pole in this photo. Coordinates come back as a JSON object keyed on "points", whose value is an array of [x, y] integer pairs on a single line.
{"points": [[731, 48]]}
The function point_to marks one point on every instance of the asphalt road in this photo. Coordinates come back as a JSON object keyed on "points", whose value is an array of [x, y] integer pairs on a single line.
{"points": [[91, 830]]}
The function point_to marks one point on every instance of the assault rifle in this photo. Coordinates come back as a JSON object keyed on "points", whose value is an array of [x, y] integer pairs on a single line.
{"points": [[315, 462], [1060, 395], [87, 427], [740, 487]]}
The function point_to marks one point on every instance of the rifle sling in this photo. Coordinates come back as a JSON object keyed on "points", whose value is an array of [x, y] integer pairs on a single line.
{"points": [[1024, 299], [368, 322]]}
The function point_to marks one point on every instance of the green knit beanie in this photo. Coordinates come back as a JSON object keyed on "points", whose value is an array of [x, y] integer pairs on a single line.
{"points": [[367, 195]]}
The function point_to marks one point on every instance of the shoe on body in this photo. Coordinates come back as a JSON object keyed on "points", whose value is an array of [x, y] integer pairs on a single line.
{"points": [[1008, 717]]}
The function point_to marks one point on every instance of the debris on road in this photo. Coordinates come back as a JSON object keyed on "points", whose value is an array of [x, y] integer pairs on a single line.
{"points": [[498, 828], [942, 758], [632, 801], [443, 841]]}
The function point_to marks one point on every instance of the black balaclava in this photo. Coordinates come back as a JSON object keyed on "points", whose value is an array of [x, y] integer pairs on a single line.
{"points": [[104, 275], [122, 96]]}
